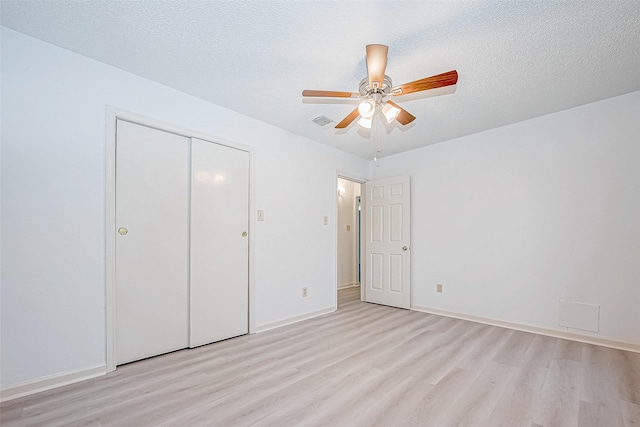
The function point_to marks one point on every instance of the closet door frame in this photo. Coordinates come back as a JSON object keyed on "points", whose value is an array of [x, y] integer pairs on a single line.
{"points": [[112, 115]]}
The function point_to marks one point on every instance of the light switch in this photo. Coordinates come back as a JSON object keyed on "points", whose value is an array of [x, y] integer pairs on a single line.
{"points": [[348, 228], [325, 221], [260, 215]]}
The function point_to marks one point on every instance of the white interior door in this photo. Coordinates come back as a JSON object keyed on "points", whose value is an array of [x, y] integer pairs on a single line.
{"points": [[152, 242], [387, 234], [219, 243]]}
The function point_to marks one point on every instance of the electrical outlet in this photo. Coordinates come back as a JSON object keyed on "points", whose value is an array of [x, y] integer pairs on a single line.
{"points": [[304, 292], [439, 288]]}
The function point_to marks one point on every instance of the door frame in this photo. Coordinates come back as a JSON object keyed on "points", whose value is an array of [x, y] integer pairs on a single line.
{"points": [[112, 115], [361, 181]]}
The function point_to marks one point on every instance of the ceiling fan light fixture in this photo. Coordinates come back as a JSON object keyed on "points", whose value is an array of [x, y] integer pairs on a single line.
{"points": [[377, 87], [367, 108], [390, 112], [365, 122]]}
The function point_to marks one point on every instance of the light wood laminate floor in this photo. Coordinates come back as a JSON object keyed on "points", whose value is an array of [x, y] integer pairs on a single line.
{"points": [[365, 365]]}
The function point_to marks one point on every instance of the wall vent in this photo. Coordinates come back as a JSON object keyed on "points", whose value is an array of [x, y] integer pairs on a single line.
{"points": [[579, 315], [322, 121]]}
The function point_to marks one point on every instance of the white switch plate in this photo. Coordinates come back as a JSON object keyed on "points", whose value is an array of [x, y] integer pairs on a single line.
{"points": [[260, 215], [325, 221]]}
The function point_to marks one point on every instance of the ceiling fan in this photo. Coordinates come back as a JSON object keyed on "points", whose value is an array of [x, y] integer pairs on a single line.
{"points": [[376, 89]]}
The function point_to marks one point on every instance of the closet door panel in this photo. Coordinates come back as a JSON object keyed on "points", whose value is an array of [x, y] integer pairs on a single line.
{"points": [[219, 283], [152, 242]]}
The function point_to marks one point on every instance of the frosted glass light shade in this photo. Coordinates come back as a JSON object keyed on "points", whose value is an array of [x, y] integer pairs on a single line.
{"points": [[367, 108], [390, 112], [364, 122]]}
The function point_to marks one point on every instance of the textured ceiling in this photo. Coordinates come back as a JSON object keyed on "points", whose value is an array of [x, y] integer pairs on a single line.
{"points": [[516, 60]]}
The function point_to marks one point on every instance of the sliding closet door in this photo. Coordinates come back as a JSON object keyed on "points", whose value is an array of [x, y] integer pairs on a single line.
{"points": [[152, 242], [219, 243]]}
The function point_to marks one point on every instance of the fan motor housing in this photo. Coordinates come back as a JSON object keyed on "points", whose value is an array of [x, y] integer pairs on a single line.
{"points": [[366, 89]]}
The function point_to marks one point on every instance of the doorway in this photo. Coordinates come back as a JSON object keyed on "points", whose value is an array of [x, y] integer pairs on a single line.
{"points": [[349, 268]]}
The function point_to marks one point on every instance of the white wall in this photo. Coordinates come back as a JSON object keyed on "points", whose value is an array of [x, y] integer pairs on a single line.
{"points": [[347, 239], [53, 204], [514, 219]]}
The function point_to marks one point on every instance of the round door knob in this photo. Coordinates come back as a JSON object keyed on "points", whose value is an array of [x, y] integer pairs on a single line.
{"points": [[404, 248], [244, 234], [123, 231]]}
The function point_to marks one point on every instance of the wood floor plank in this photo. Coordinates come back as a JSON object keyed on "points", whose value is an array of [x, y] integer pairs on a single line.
{"points": [[570, 350], [440, 399], [475, 406], [630, 414], [364, 365], [627, 375], [560, 395], [599, 395], [595, 414], [514, 349], [389, 409], [520, 398]]}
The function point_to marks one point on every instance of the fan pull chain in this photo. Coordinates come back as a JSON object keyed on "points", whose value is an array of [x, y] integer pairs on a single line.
{"points": [[376, 134]]}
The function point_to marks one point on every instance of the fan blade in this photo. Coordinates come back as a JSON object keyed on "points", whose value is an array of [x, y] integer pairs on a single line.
{"points": [[445, 79], [376, 63], [329, 94], [347, 120], [404, 117]]}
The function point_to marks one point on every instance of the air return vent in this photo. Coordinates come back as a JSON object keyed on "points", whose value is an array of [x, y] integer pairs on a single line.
{"points": [[322, 121], [579, 315]]}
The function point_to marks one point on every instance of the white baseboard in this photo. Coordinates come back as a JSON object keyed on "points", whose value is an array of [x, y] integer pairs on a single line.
{"points": [[50, 381], [620, 345], [294, 319], [348, 285]]}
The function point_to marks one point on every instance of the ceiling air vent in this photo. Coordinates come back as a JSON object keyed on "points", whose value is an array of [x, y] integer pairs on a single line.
{"points": [[322, 121]]}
